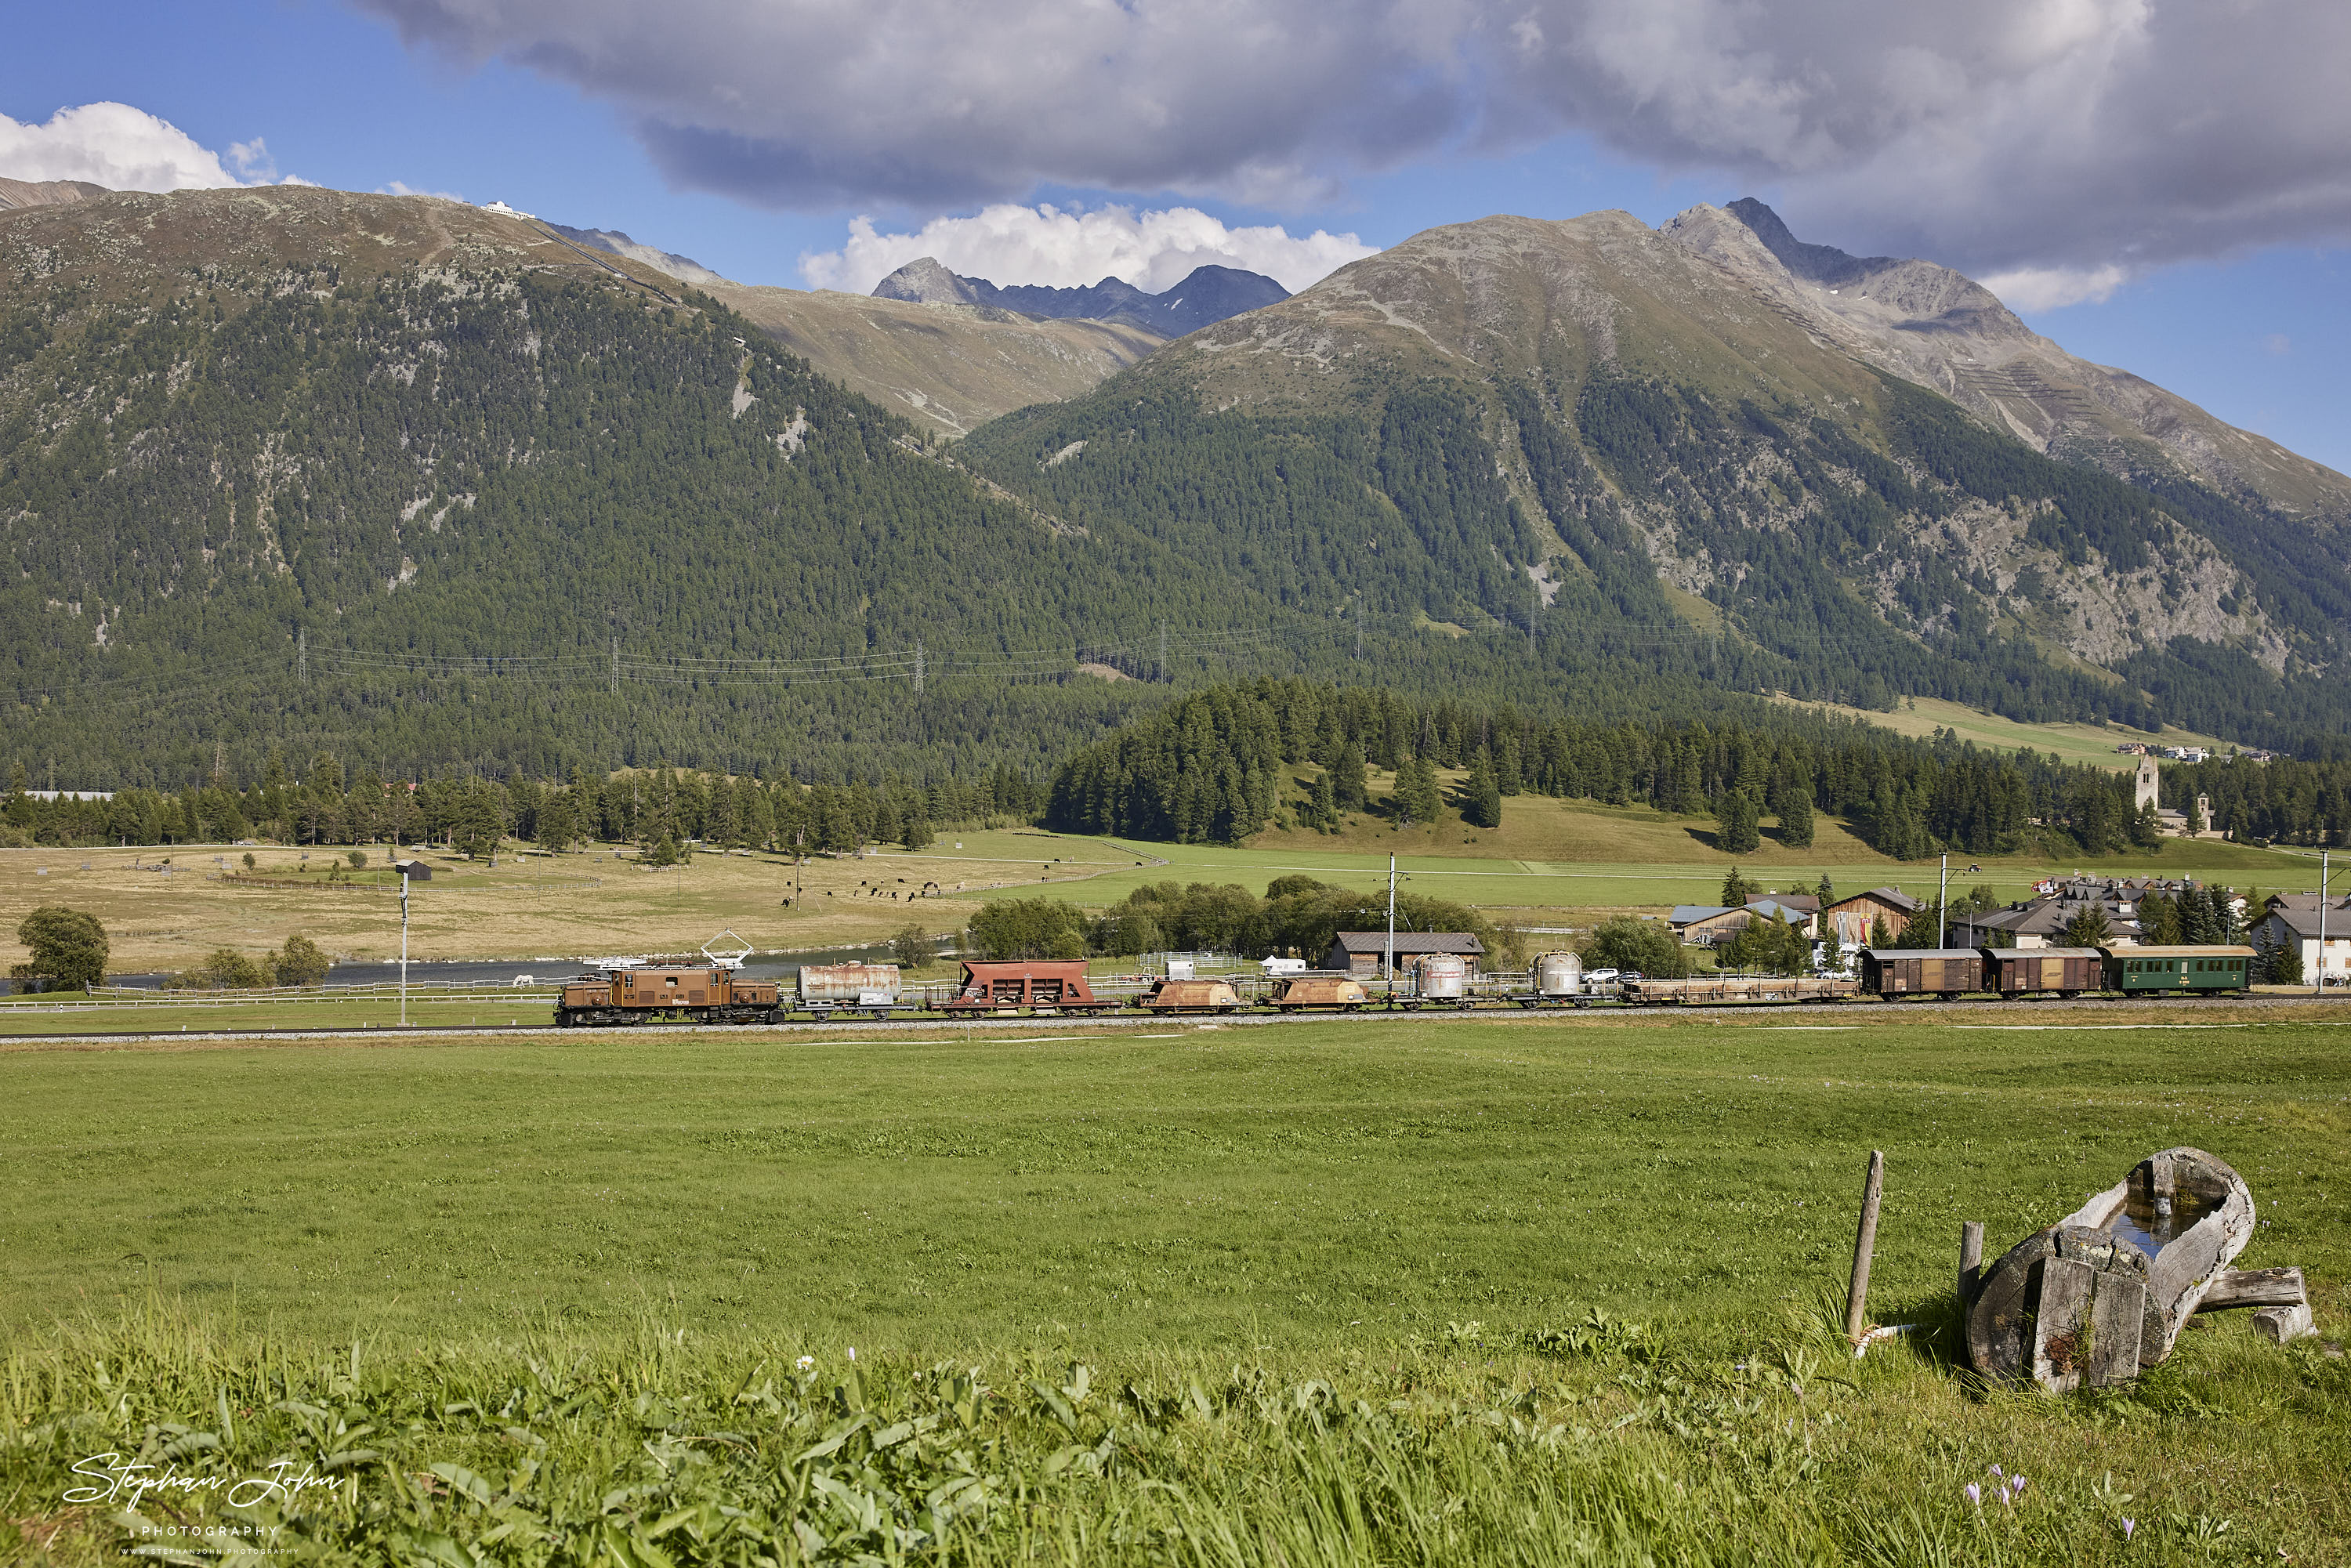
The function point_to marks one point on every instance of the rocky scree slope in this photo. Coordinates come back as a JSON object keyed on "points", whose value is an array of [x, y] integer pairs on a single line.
{"points": [[1942, 330]]}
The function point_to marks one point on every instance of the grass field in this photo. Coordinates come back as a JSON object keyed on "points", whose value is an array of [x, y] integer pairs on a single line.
{"points": [[1530, 1291], [2089, 743], [535, 906]]}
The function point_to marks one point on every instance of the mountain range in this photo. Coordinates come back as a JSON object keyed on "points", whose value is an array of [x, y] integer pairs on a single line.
{"points": [[277, 463], [1207, 295]]}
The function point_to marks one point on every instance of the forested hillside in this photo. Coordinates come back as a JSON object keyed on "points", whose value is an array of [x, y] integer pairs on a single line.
{"points": [[1581, 433], [1215, 766]]}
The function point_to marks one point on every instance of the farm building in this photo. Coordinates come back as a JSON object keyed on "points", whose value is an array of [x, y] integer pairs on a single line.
{"points": [[1704, 924], [1849, 920], [1359, 952]]}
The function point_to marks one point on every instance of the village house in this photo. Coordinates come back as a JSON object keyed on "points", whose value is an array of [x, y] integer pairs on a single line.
{"points": [[2295, 919], [1359, 952], [1849, 921], [2040, 921]]}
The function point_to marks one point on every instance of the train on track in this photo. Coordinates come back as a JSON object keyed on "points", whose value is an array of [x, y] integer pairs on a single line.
{"points": [[709, 991]]}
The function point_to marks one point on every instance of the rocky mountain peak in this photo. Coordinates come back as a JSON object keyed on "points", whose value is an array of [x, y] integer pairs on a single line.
{"points": [[926, 282], [1813, 262]]}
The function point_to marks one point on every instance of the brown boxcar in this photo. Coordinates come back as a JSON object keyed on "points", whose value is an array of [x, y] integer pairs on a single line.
{"points": [[1190, 996], [2013, 971], [1319, 992], [1931, 971], [696, 994], [1010, 984]]}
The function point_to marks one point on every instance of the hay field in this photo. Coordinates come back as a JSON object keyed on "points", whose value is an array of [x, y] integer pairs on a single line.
{"points": [[531, 906]]}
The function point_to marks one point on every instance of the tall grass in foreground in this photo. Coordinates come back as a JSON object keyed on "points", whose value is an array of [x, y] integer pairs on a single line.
{"points": [[1598, 1443]]}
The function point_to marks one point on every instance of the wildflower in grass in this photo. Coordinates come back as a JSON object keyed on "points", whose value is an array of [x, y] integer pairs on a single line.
{"points": [[852, 1353], [2129, 1525], [1999, 1473], [2016, 1485], [1975, 1494], [805, 1362]]}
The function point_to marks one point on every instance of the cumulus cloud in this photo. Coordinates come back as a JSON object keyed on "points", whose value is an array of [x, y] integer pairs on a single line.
{"points": [[2005, 136], [109, 144], [127, 149], [1151, 250], [2032, 288]]}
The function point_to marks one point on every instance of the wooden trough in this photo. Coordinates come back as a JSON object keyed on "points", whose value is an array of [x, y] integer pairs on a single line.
{"points": [[2091, 1300]]}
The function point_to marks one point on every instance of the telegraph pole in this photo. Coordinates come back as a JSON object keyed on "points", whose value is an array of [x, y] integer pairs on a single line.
{"points": [[918, 667], [302, 655], [1163, 652], [616, 666], [2323, 856], [1943, 900], [1389, 963], [404, 948]]}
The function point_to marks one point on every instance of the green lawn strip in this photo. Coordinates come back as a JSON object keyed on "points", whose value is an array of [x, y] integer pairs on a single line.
{"points": [[1374, 1254], [163, 1017]]}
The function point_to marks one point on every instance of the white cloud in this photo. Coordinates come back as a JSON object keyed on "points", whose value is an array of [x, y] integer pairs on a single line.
{"points": [[2278, 343], [109, 144], [127, 149], [2000, 135], [2031, 288], [1061, 248], [402, 188]]}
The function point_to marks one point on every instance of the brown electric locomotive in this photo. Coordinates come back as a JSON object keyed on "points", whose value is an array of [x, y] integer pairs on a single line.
{"points": [[667, 991]]}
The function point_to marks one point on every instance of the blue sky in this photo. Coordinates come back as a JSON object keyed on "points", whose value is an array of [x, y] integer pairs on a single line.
{"points": [[2259, 336]]}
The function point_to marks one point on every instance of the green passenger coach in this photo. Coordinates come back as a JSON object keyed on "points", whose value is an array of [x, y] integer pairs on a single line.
{"points": [[2178, 968]]}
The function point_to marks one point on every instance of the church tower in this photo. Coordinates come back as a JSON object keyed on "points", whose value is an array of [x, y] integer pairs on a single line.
{"points": [[2144, 792]]}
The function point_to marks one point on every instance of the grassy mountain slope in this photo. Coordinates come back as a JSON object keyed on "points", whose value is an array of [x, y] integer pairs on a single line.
{"points": [[949, 367], [1590, 429], [387, 438]]}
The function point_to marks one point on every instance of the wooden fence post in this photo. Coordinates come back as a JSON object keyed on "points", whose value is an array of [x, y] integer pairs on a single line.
{"points": [[1866, 1242], [1970, 1259]]}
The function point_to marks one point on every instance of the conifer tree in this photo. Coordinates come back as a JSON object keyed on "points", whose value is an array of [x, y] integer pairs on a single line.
{"points": [[1737, 813], [1482, 802]]}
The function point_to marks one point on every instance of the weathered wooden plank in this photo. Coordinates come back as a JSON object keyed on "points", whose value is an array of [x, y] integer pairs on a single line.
{"points": [[2255, 1287], [2117, 1322], [1971, 1261], [2060, 1324]]}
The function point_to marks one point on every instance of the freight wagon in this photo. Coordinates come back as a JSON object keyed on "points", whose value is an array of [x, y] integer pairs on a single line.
{"points": [[1004, 986], [1943, 972], [2068, 971], [1704, 990]]}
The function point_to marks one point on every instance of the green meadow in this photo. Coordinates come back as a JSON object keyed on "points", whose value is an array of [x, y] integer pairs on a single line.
{"points": [[1532, 1291]]}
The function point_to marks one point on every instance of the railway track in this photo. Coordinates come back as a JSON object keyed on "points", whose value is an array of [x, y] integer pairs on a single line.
{"points": [[1859, 1011]]}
